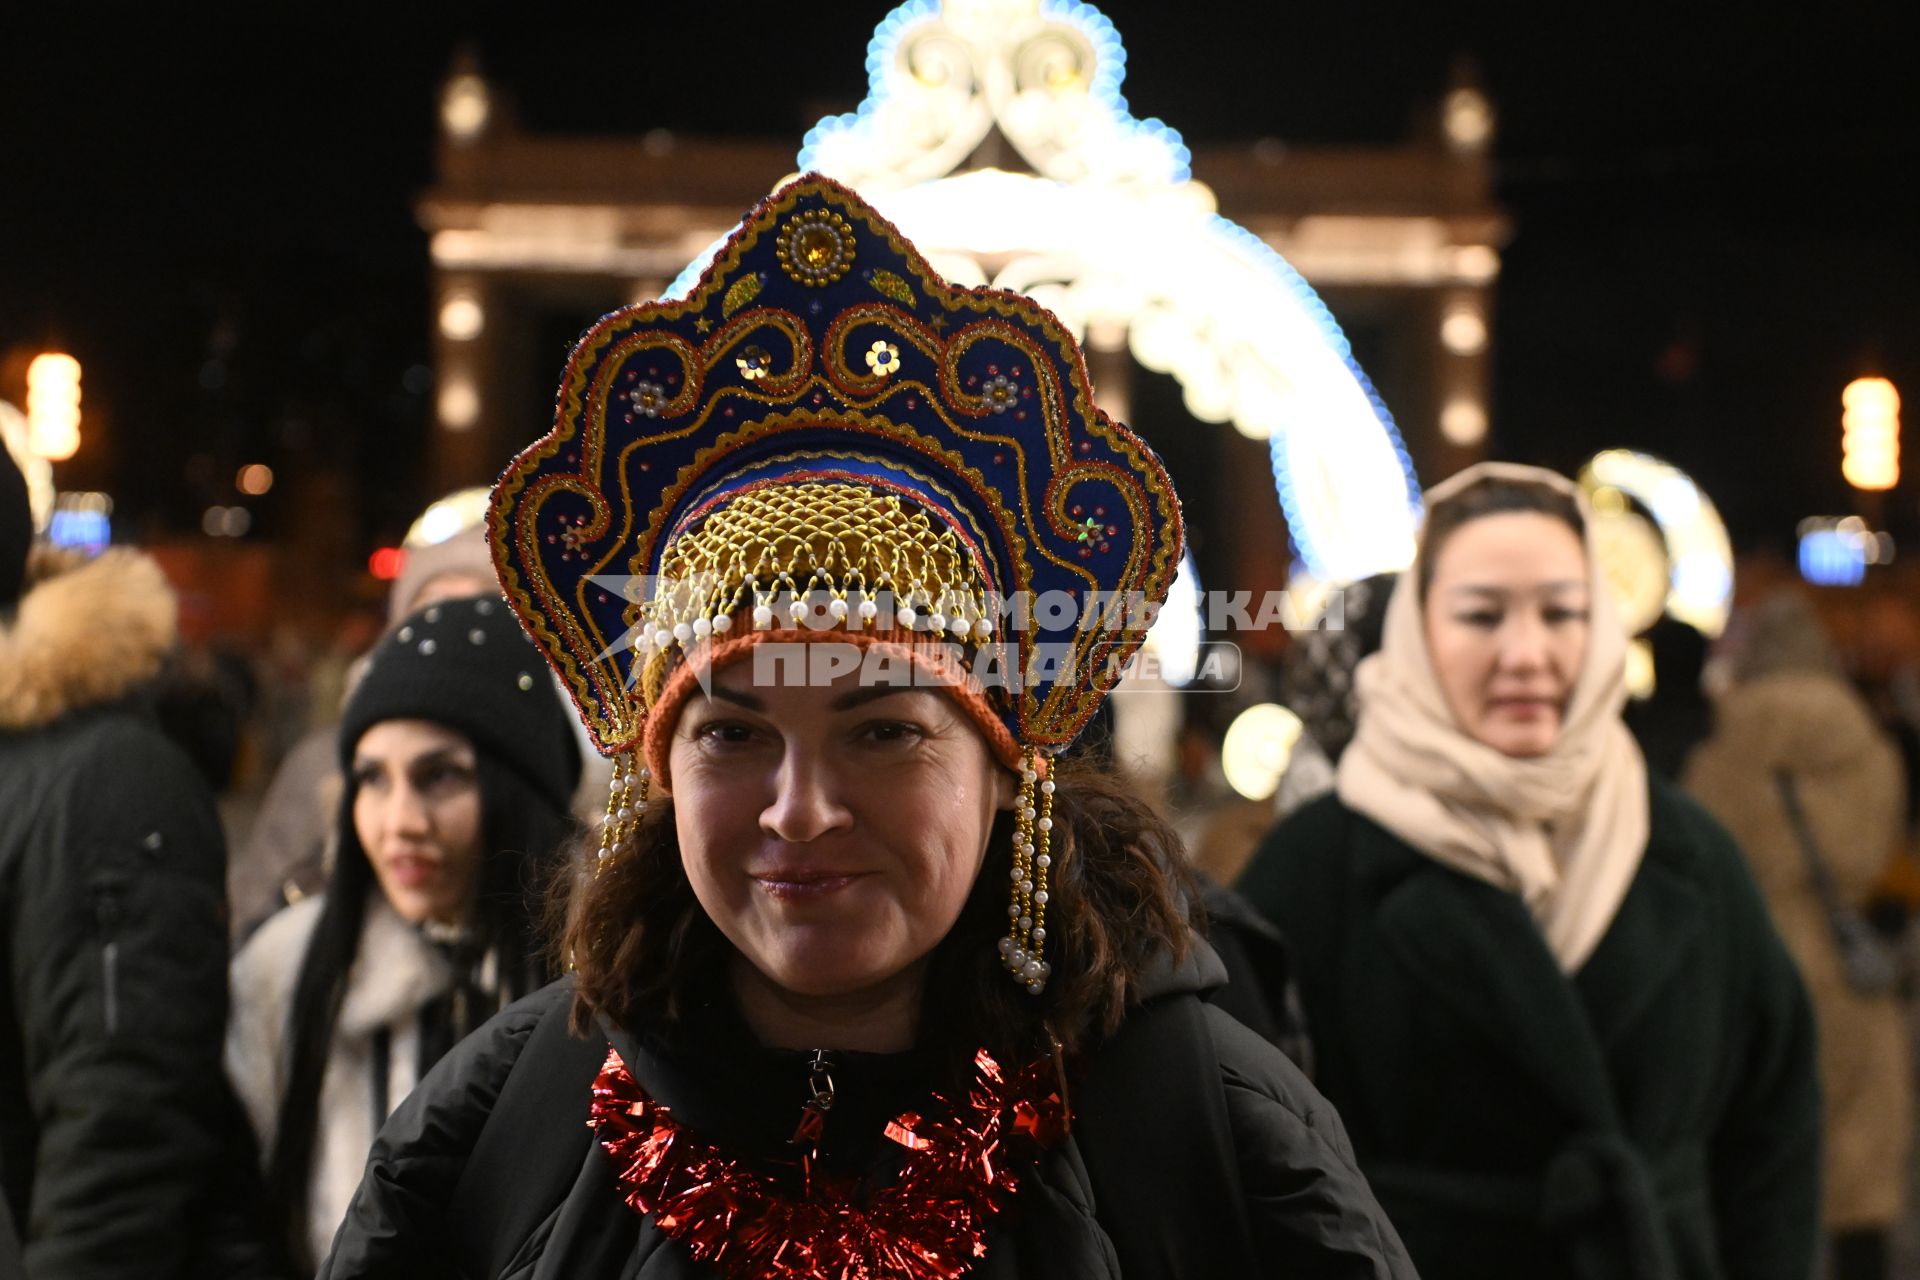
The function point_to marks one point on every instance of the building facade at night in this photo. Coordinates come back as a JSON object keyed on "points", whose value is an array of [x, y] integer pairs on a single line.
{"points": [[1003, 149]]}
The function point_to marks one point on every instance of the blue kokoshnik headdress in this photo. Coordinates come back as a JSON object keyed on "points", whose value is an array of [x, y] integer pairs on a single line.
{"points": [[824, 440]]}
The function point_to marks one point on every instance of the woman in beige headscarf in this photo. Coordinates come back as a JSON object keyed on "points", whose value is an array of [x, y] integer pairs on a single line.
{"points": [[1542, 988]]}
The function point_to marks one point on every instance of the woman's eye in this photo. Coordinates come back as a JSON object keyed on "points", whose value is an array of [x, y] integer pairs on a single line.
{"points": [[442, 776], [1482, 618], [367, 776], [724, 732], [892, 731], [1559, 617]]}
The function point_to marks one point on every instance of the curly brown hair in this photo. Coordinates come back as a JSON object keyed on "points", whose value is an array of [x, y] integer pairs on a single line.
{"points": [[1123, 903]]}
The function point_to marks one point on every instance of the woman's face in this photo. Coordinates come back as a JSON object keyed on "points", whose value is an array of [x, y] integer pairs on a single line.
{"points": [[1506, 621], [416, 809], [832, 832]]}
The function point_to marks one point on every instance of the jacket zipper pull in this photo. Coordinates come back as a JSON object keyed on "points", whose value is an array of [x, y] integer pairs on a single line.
{"points": [[813, 1115]]}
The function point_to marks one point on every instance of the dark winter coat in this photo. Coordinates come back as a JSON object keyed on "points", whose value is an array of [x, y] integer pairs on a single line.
{"points": [[1653, 1117], [121, 1152], [1197, 1151]]}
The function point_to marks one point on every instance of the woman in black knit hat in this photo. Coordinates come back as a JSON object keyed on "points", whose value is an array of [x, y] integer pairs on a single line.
{"points": [[460, 764]]}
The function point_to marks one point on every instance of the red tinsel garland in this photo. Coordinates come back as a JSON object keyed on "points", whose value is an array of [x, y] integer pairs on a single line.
{"points": [[929, 1224]]}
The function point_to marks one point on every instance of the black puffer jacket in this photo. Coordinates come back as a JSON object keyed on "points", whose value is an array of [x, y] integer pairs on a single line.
{"points": [[121, 1151], [1197, 1150]]}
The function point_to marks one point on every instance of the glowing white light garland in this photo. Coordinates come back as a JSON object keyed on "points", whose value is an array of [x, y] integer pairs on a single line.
{"points": [[1699, 553], [1113, 232], [1258, 747]]}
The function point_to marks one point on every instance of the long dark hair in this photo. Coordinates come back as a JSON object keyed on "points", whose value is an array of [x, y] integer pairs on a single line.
{"points": [[522, 833], [1123, 902]]}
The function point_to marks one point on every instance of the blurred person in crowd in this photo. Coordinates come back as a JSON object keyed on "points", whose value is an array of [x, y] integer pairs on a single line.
{"points": [[1199, 792], [203, 699], [1813, 791], [1671, 722], [1885, 658], [1316, 683], [286, 854], [1316, 679], [1258, 990], [1882, 657], [120, 1152], [1217, 825], [876, 983], [460, 761], [1544, 992]]}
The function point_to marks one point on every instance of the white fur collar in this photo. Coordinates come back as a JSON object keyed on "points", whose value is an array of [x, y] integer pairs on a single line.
{"points": [[87, 632], [396, 971]]}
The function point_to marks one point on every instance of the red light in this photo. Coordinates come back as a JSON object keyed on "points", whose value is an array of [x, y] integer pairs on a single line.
{"points": [[386, 563]]}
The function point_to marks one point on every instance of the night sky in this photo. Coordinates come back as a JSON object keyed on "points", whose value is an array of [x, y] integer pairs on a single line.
{"points": [[1715, 225]]}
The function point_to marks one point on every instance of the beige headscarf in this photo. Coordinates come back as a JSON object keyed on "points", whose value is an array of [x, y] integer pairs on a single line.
{"points": [[1566, 830]]}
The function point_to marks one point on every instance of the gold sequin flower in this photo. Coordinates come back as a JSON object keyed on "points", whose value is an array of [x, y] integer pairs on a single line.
{"points": [[754, 363], [649, 398], [1000, 393], [815, 247], [883, 358]]}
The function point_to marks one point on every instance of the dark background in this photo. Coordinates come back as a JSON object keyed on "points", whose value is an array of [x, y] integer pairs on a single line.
{"points": [[1714, 209]]}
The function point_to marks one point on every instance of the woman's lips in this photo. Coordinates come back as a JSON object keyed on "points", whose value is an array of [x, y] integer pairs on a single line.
{"points": [[411, 872], [1523, 708], [804, 883]]}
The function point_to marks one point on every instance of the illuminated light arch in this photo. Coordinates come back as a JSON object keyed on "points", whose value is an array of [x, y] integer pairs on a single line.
{"points": [[1699, 552], [1111, 233]]}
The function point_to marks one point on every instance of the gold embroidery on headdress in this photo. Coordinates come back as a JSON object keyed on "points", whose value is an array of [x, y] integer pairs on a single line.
{"points": [[817, 554]]}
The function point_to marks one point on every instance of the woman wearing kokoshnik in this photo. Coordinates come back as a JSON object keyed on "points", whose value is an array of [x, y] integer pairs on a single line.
{"points": [[865, 983]]}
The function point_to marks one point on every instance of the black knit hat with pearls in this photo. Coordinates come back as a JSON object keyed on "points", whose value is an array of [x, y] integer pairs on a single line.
{"points": [[466, 664]]}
